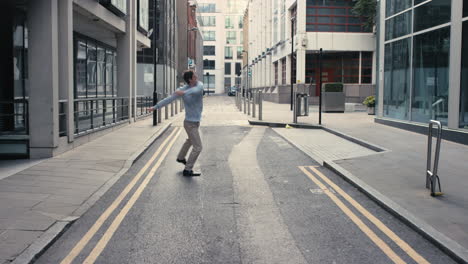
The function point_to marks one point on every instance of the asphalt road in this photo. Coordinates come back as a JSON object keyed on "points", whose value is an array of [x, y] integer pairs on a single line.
{"points": [[259, 200]]}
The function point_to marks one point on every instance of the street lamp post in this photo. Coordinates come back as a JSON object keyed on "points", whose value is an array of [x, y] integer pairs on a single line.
{"points": [[155, 94], [292, 55], [208, 82], [320, 87]]}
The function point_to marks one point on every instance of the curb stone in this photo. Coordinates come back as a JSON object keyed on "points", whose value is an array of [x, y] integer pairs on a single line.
{"points": [[40, 245], [447, 245]]}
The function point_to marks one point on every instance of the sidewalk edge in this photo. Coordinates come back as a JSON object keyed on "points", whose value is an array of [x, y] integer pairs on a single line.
{"points": [[40, 245], [358, 141], [447, 245]]}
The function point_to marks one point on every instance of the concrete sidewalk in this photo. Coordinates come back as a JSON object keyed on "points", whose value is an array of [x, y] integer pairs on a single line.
{"points": [[37, 203], [394, 177]]}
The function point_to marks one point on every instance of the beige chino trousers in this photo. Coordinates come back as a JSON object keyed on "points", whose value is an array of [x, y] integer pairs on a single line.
{"points": [[193, 141]]}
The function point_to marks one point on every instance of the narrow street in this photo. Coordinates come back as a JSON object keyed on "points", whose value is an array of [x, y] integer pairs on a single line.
{"points": [[259, 200]]}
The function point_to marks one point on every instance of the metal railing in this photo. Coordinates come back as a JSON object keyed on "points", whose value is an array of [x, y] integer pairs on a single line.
{"points": [[432, 178], [143, 103], [14, 116], [95, 113], [63, 126]]}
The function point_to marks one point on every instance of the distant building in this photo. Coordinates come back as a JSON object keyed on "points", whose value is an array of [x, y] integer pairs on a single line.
{"points": [[166, 44], [221, 24], [349, 48], [423, 65], [68, 69]]}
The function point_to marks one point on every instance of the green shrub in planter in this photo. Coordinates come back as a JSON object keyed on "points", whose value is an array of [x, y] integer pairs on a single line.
{"points": [[333, 87], [369, 101]]}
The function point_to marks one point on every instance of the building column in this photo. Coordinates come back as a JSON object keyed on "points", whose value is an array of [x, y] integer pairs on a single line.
{"points": [[43, 75], [455, 65], [125, 60], [66, 86], [300, 65], [381, 62], [132, 20]]}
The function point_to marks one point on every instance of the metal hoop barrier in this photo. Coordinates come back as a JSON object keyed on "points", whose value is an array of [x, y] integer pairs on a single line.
{"points": [[432, 178]]}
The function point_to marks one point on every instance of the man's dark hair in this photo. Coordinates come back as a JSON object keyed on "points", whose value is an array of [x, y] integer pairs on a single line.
{"points": [[188, 75]]}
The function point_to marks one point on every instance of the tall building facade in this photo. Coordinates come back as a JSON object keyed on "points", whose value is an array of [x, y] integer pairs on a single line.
{"points": [[68, 70], [190, 39], [221, 24], [163, 18], [423, 64], [348, 47]]}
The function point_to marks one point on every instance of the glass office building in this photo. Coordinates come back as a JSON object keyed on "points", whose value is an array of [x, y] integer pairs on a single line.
{"points": [[423, 56]]}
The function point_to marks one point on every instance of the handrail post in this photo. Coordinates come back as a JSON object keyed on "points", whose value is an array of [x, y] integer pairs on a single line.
{"points": [[248, 104], [245, 101], [432, 177], [254, 96], [260, 105], [295, 108]]}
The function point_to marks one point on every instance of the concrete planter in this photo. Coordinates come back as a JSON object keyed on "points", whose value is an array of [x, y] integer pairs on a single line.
{"points": [[371, 110], [333, 102]]}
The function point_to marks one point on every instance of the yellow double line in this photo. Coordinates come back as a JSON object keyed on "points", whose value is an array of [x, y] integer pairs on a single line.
{"points": [[364, 228], [99, 247]]}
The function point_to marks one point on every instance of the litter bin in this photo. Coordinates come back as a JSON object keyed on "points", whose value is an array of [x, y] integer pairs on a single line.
{"points": [[302, 104]]}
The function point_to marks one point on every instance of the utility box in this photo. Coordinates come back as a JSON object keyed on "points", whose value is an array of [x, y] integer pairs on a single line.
{"points": [[333, 98]]}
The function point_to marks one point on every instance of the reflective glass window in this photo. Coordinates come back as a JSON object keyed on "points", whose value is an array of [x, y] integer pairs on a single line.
{"points": [[431, 76], [101, 73], [206, 8], [465, 8], [228, 53], [239, 52], [209, 50], [231, 37], [398, 26], [209, 35], [229, 22], [209, 64], [91, 69], [366, 67], [238, 68], [432, 14], [464, 79], [397, 79], [80, 69], [207, 21], [395, 6], [143, 13], [227, 68]]}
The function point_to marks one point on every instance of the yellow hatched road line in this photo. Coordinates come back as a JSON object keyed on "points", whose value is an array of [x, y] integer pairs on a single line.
{"points": [[402, 244], [100, 221], [101, 245], [364, 228]]}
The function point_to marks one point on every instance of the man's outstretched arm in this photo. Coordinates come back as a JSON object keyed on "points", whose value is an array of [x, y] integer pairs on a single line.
{"points": [[167, 100]]}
